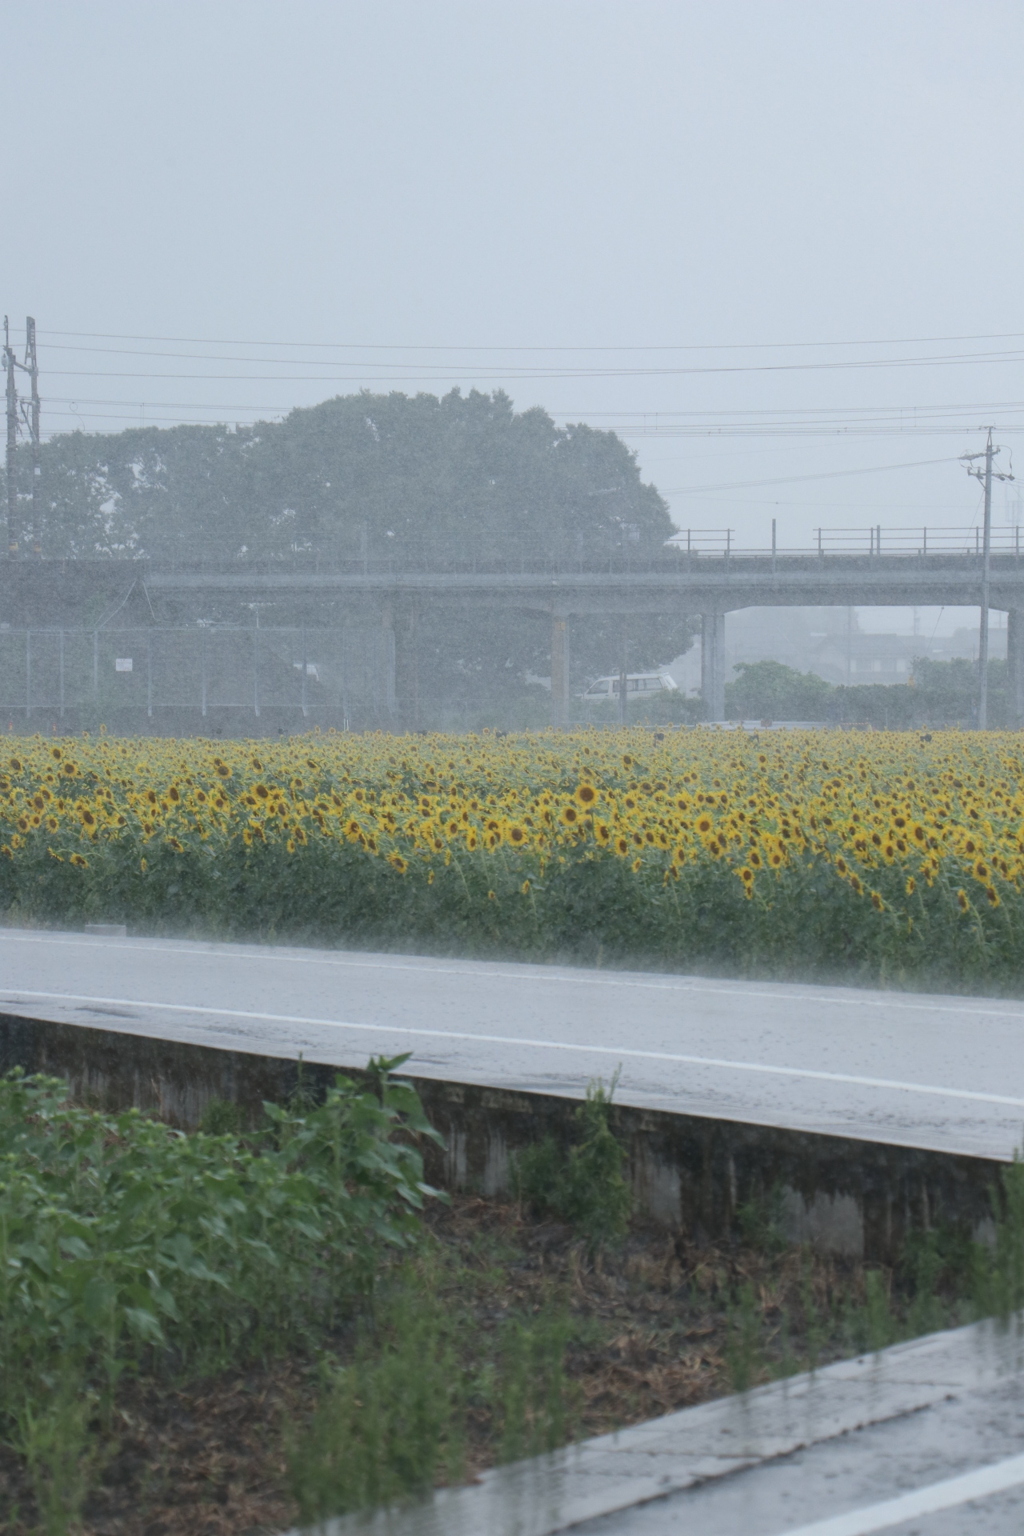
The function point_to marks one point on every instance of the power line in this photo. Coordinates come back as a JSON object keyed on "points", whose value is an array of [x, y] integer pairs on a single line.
{"points": [[832, 474], [519, 374], [206, 341]]}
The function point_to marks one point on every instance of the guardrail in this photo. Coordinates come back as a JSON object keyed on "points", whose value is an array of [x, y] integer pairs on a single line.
{"points": [[872, 541]]}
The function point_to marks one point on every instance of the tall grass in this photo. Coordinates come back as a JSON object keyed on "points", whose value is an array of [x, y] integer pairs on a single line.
{"points": [[943, 1279]]}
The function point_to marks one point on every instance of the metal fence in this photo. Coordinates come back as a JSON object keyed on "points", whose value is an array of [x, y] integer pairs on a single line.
{"points": [[202, 667]]}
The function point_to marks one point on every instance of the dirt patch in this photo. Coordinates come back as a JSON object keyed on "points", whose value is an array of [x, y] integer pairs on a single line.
{"points": [[656, 1325]]}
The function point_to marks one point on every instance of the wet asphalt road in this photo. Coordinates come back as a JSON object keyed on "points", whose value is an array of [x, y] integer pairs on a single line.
{"points": [[913, 1069]]}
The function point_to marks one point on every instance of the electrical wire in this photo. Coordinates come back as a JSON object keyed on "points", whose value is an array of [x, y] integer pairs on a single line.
{"points": [[903, 341], [831, 474]]}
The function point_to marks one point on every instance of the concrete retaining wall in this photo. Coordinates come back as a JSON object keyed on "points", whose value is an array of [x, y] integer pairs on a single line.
{"points": [[689, 1174]]}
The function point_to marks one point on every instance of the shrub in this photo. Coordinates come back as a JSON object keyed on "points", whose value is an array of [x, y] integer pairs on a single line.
{"points": [[123, 1241], [587, 1188]]}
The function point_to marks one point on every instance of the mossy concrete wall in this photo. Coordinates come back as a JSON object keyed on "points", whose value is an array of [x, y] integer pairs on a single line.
{"points": [[690, 1174]]}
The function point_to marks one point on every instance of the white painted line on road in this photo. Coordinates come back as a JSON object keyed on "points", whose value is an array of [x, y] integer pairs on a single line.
{"points": [[923, 1501], [12, 999], [831, 997]]}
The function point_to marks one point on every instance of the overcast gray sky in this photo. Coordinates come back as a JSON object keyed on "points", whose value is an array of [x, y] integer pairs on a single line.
{"points": [[675, 186]]}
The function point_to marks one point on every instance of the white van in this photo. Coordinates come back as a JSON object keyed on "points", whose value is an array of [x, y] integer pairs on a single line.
{"points": [[638, 685]]}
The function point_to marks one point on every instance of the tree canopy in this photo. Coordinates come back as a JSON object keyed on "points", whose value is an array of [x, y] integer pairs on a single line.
{"points": [[462, 477], [418, 481], [939, 693], [771, 690]]}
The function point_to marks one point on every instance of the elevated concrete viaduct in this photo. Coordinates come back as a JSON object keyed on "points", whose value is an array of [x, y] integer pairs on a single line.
{"points": [[44, 593], [709, 585]]}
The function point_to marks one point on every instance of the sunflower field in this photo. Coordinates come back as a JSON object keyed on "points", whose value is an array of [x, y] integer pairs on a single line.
{"points": [[859, 856]]}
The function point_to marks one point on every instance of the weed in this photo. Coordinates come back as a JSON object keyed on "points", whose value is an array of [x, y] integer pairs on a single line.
{"points": [[585, 1188], [390, 1422], [536, 1402], [221, 1117], [743, 1353], [393, 1421], [61, 1455], [761, 1221]]}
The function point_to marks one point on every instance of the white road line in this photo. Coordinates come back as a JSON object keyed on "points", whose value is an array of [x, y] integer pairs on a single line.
{"points": [[849, 999], [923, 1501], [12, 998]]}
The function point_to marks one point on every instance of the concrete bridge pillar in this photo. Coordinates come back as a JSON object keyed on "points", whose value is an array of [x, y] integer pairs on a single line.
{"points": [[406, 668], [386, 683], [1015, 664], [712, 664], [559, 672]]}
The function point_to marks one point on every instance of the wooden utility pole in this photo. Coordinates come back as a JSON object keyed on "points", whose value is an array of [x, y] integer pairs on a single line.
{"points": [[10, 363], [32, 368], [986, 476]]}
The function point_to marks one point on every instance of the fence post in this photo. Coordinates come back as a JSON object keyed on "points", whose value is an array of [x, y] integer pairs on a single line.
{"points": [[149, 674]]}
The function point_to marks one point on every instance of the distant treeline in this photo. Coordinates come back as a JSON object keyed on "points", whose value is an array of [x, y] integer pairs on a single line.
{"points": [[941, 693]]}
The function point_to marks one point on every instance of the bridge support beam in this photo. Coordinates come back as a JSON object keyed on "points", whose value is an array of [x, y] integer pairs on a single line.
{"points": [[406, 668], [387, 665], [559, 672], [1015, 665], [712, 664]]}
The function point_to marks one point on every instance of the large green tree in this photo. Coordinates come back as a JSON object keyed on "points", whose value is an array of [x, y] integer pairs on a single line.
{"points": [[421, 481]]}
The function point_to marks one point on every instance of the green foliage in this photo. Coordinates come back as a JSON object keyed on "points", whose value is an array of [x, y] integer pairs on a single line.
{"points": [[381, 479], [761, 1221], [585, 1188], [537, 1400], [389, 1422], [123, 1241], [61, 1451], [392, 1421], [221, 1117], [743, 1348], [942, 693], [769, 690]]}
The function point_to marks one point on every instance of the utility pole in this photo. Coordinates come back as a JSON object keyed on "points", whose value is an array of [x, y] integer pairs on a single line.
{"points": [[986, 476], [28, 412], [32, 368], [10, 363]]}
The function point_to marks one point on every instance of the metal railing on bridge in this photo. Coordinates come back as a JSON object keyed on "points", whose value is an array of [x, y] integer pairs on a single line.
{"points": [[922, 541]]}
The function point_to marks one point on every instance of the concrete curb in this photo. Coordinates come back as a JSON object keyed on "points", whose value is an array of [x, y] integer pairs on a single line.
{"points": [[613, 1473]]}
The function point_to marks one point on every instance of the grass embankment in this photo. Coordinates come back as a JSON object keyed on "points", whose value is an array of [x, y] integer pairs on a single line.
{"points": [[226, 1332], [879, 857]]}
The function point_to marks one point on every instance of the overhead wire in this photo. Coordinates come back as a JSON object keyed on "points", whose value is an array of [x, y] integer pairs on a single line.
{"points": [[206, 341]]}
